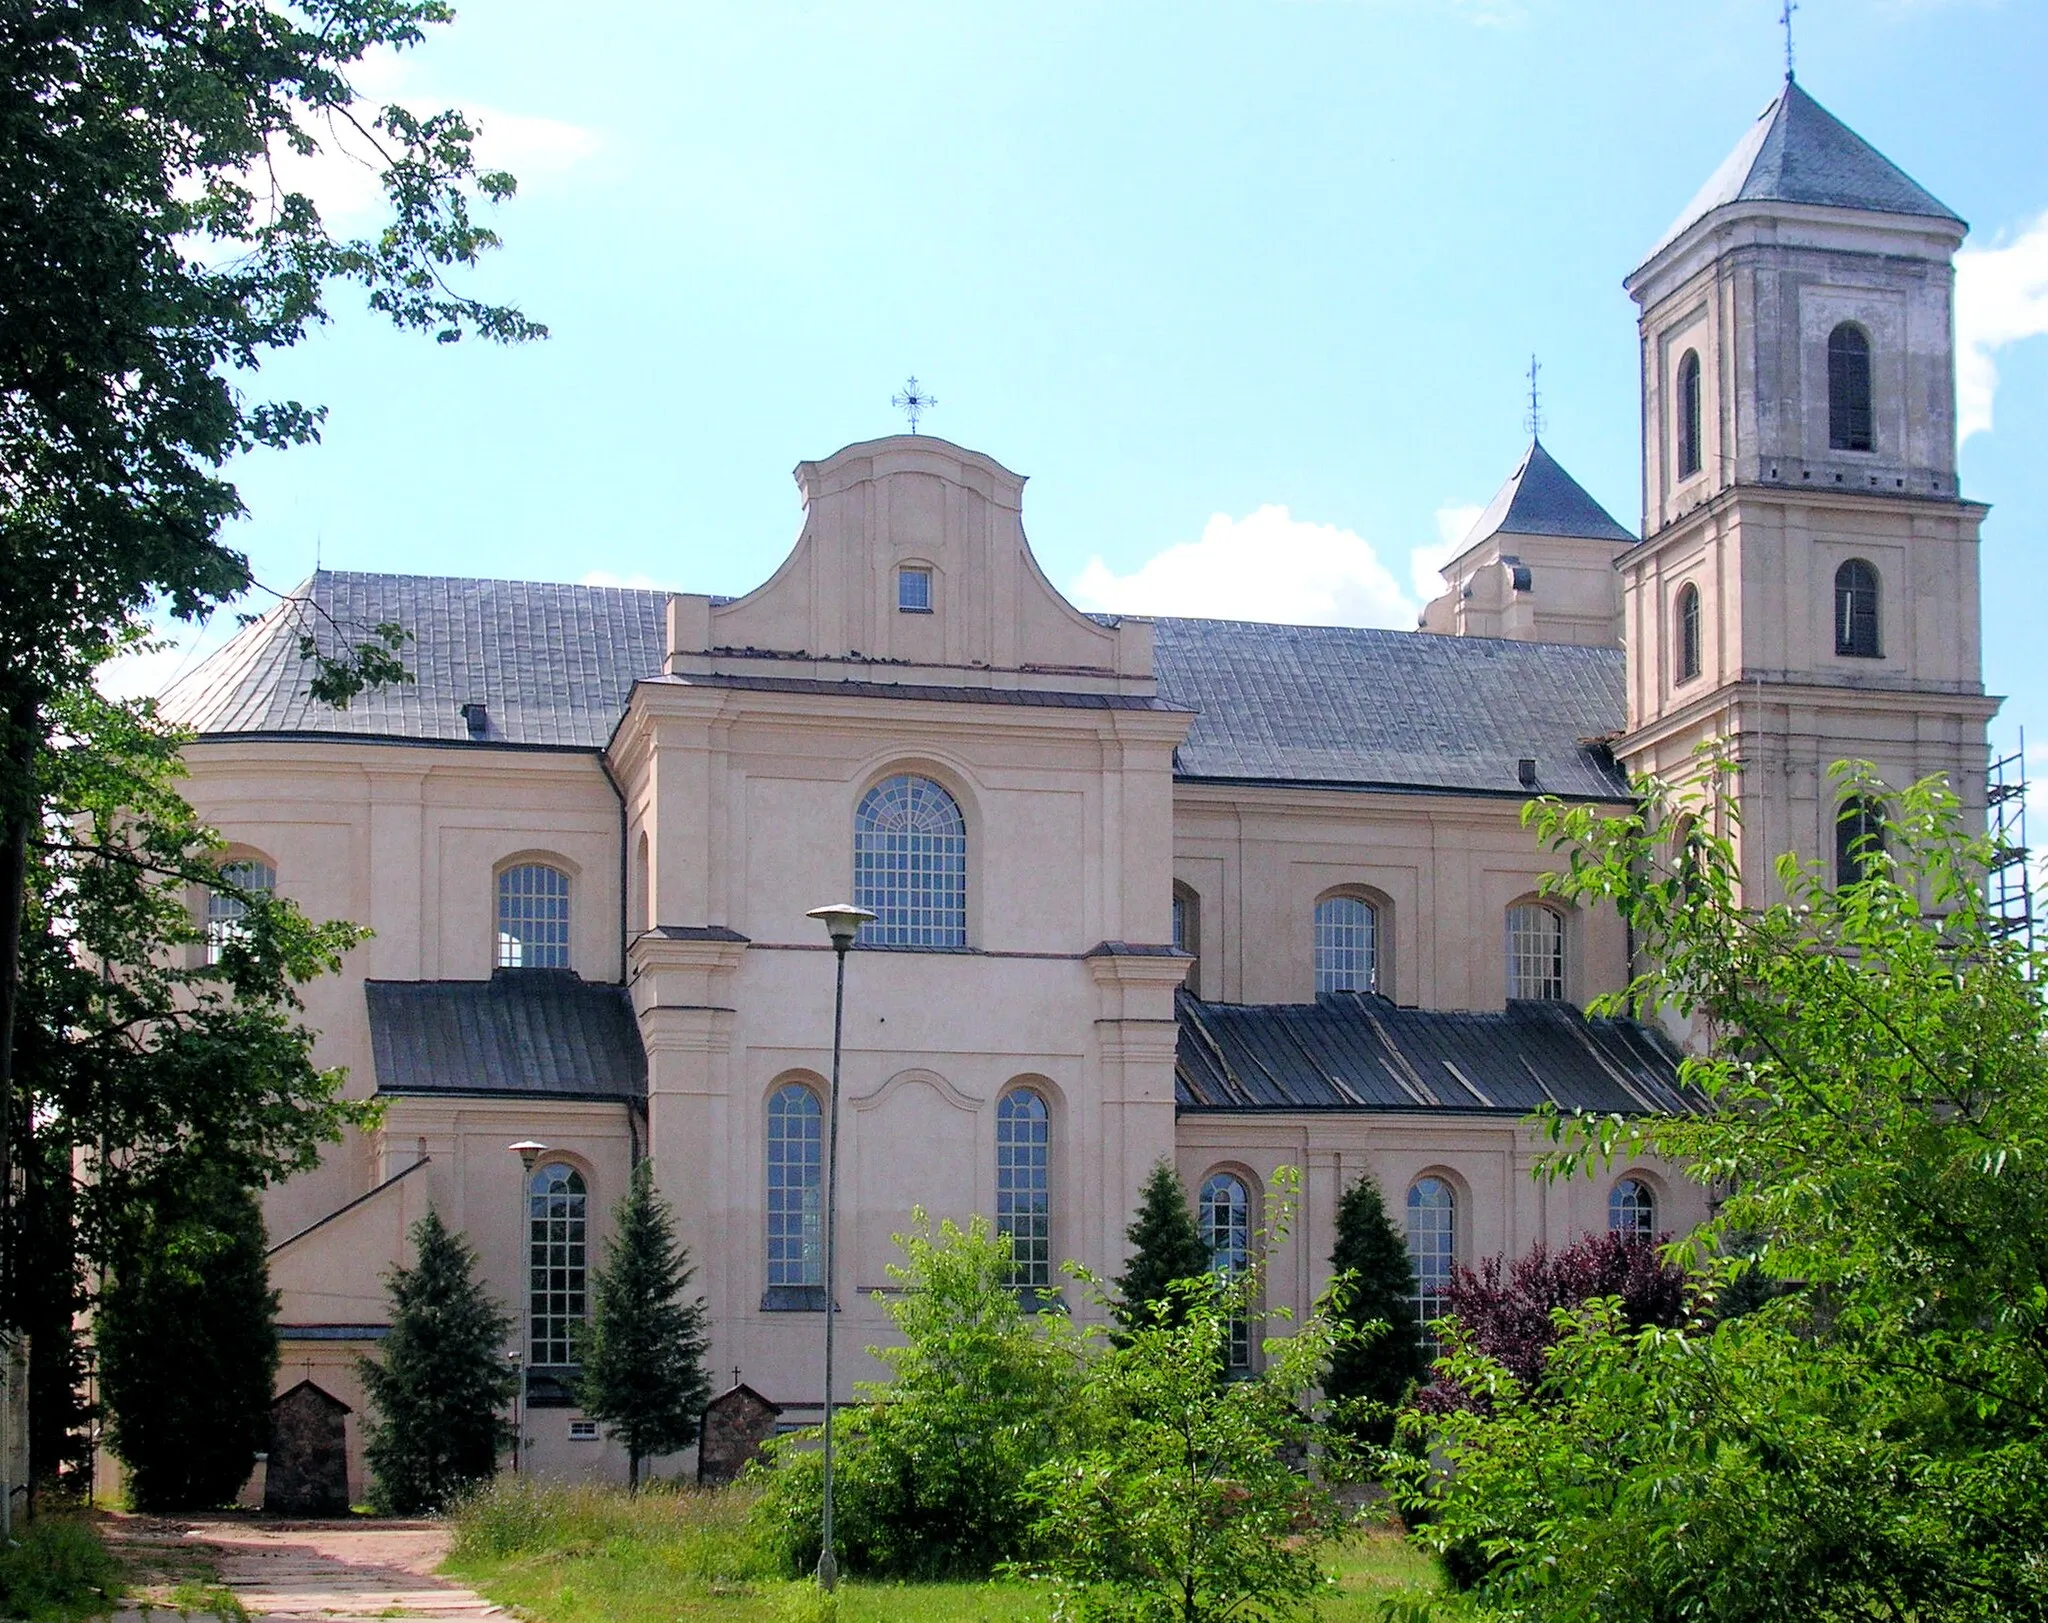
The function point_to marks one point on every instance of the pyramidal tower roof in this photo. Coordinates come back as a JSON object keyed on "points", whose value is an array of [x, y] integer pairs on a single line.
{"points": [[1799, 152], [1540, 498]]}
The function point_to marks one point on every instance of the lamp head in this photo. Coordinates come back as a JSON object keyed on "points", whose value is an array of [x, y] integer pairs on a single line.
{"points": [[529, 1151], [842, 921]]}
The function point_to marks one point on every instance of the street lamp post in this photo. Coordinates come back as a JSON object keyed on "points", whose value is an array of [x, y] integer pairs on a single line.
{"points": [[529, 1151], [842, 921]]}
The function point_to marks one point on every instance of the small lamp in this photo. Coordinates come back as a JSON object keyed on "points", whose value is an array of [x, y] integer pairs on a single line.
{"points": [[529, 1151], [842, 921]]}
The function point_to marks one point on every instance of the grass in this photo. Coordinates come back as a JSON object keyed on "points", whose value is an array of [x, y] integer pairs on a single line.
{"points": [[58, 1571], [593, 1555]]}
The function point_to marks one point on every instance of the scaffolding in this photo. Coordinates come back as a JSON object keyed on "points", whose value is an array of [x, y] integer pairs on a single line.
{"points": [[2010, 881]]}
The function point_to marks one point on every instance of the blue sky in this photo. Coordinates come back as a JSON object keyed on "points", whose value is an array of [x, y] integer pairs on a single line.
{"points": [[1260, 275]]}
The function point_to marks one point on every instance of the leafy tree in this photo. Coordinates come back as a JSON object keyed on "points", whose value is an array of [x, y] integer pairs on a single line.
{"points": [[1373, 1367], [1870, 1439], [441, 1381], [929, 1472], [1166, 1247], [187, 1337], [1183, 1503], [643, 1355]]}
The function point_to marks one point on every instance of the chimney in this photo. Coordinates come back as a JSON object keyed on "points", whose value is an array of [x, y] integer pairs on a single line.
{"points": [[1525, 769], [477, 715]]}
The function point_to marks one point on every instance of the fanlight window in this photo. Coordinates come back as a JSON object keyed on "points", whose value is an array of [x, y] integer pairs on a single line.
{"points": [[1856, 603], [1535, 953], [796, 1163], [225, 912], [557, 1257], [910, 865], [1688, 632], [1347, 942], [1023, 1191], [1432, 1244], [1850, 427], [1632, 1208], [1224, 1213], [533, 917], [1688, 415], [1859, 840]]}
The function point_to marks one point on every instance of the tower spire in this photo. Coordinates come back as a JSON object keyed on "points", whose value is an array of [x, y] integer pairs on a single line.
{"points": [[1534, 420], [1785, 22]]}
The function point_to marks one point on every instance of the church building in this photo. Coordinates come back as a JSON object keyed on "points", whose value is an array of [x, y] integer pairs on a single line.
{"points": [[1235, 895]]}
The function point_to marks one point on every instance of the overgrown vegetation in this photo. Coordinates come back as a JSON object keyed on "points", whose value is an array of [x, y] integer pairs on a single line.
{"points": [[58, 1571]]}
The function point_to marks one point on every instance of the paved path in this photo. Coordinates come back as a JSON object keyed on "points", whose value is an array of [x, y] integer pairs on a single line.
{"points": [[322, 1572]]}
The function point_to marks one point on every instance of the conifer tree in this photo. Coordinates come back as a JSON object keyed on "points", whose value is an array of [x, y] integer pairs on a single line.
{"points": [[643, 1355], [1165, 1246], [441, 1381], [187, 1335], [1378, 1368]]}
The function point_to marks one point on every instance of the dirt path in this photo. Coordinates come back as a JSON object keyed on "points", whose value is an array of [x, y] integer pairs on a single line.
{"points": [[307, 1572]]}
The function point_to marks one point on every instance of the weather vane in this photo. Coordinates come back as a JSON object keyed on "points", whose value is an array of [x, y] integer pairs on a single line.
{"points": [[1535, 417], [913, 402], [1785, 19]]}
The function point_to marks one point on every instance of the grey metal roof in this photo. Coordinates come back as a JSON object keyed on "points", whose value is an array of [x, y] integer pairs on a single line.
{"points": [[1352, 1051], [523, 1031], [1343, 705], [1540, 498], [1799, 152]]}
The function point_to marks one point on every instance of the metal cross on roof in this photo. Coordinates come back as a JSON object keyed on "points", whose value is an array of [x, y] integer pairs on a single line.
{"points": [[1535, 417], [1785, 22], [913, 402]]}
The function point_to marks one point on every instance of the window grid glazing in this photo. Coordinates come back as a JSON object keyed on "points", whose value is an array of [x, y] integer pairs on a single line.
{"points": [[224, 912], [1023, 1185], [914, 590], [1535, 953], [1224, 1213], [1859, 841], [1856, 610], [910, 865], [796, 1165], [557, 1254], [1432, 1246], [533, 918], [1688, 632], [1347, 945], [1632, 1208], [1689, 449]]}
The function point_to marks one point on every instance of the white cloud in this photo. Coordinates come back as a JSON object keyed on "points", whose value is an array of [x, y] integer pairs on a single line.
{"points": [[2001, 298], [175, 648], [1454, 521], [1268, 565]]}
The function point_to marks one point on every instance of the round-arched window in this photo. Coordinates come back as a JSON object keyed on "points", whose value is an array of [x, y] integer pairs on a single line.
{"points": [[1023, 1185], [910, 865], [796, 1164], [1856, 610], [1535, 952], [1688, 404], [225, 910], [1850, 423], [1224, 1213], [1688, 632], [1432, 1244], [1632, 1208], [1347, 945], [533, 917], [557, 1210]]}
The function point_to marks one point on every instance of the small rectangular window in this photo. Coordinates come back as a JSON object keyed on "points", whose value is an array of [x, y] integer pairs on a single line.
{"points": [[914, 591], [583, 1431]]}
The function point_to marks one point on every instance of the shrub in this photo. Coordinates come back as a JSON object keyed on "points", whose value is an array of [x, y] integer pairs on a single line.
{"points": [[57, 1571], [1166, 1246], [1372, 1369]]}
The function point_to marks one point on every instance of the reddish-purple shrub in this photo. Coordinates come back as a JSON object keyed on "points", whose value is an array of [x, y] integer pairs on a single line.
{"points": [[1507, 1307]]}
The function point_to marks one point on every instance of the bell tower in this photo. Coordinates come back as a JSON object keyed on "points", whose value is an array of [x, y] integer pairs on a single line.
{"points": [[1806, 589]]}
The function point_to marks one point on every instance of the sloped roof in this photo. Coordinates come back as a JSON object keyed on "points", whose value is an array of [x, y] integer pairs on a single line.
{"points": [[556, 664], [1540, 498], [1351, 1051], [523, 1031], [1799, 152]]}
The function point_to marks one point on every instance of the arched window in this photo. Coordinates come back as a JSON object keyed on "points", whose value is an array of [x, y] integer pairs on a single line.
{"points": [[1856, 626], [1224, 1212], [1432, 1244], [1859, 840], [1688, 414], [1535, 952], [1023, 1190], [1688, 631], [1347, 945], [1187, 933], [557, 1255], [225, 911], [533, 917], [796, 1164], [1849, 420], [1632, 1208], [910, 865]]}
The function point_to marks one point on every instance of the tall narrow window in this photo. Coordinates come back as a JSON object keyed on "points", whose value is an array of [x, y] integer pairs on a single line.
{"points": [[1535, 952], [1856, 624], [1432, 1245], [1859, 840], [1224, 1211], [1849, 419], [1023, 1191], [225, 911], [1347, 943], [557, 1255], [1688, 404], [533, 917], [1632, 1208], [910, 865], [1187, 933], [796, 1163], [1688, 632]]}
